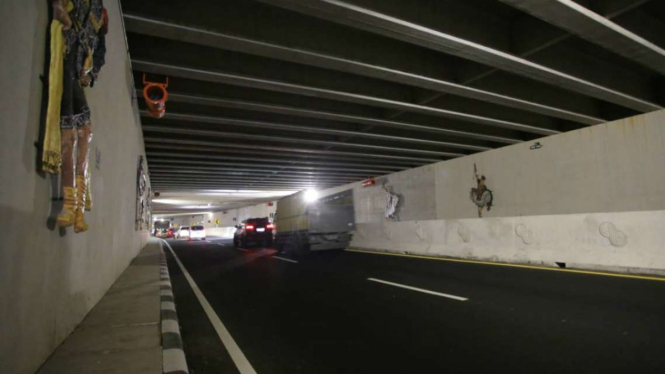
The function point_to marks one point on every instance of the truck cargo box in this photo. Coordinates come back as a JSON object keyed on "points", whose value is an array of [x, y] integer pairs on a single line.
{"points": [[326, 223]]}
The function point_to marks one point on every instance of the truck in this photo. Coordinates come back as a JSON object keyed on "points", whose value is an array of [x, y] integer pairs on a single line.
{"points": [[326, 223]]}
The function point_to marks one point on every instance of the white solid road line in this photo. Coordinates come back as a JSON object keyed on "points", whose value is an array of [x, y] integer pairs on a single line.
{"points": [[285, 259], [244, 367], [419, 289], [241, 249]]}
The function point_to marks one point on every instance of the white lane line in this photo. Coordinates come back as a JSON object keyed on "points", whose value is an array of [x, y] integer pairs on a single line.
{"points": [[285, 259], [418, 289], [241, 249], [243, 365]]}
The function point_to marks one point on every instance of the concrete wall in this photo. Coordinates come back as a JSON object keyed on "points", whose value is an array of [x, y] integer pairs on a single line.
{"points": [[593, 198], [612, 167], [415, 187], [620, 241], [50, 279]]}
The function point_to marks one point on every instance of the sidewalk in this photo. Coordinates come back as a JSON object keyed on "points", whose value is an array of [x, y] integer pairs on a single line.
{"points": [[121, 334]]}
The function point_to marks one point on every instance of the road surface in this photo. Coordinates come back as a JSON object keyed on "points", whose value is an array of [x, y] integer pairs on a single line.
{"points": [[350, 312]]}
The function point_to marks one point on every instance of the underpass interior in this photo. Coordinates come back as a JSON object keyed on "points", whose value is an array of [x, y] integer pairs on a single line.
{"points": [[323, 186]]}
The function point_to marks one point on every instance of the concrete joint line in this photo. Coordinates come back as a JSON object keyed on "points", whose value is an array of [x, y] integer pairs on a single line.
{"points": [[173, 356]]}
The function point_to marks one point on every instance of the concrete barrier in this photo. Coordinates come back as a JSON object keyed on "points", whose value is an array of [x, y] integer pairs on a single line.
{"points": [[631, 242]]}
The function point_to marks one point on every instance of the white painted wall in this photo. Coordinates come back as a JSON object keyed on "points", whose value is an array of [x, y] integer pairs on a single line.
{"points": [[612, 167], [49, 280], [620, 241], [561, 194]]}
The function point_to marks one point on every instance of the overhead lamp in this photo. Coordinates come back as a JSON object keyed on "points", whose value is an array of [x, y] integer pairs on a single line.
{"points": [[311, 196]]}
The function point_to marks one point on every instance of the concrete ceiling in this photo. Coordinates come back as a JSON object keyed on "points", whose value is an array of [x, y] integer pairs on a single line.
{"points": [[290, 94]]}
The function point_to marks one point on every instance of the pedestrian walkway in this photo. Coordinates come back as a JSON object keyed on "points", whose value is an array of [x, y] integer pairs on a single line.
{"points": [[121, 334]]}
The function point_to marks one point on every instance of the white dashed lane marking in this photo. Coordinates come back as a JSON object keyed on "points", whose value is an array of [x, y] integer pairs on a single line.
{"points": [[419, 289], [284, 259]]}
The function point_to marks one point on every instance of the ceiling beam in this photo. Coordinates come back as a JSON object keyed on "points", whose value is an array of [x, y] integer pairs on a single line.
{"points": [[307, 113], [244, 185], [595, 28], [216, 178], [181, 117], [294, 172], [161, 29], [272, 160], [203, 189], [264, 84], [278, 157], [252, 173], [300, 151], [227, 186], [269, 138], [529, 40], [253, 182], [391, 27], [253, 178], [160, 161]]}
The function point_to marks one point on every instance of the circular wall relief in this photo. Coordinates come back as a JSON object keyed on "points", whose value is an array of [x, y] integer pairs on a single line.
{"points": [[422, 234], [388, 232], [605, 228], [464, 233], [524, 233], [616, 237]]}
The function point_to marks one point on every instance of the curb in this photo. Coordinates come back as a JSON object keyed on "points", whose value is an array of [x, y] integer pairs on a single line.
{"points": [[173, 355]]}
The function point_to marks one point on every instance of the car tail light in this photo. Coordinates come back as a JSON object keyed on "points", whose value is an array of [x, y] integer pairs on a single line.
{"points": [[270, 226], [249, 227]]}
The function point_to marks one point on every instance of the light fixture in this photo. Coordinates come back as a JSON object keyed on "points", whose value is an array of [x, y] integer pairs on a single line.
{"points": [[311, 196]]}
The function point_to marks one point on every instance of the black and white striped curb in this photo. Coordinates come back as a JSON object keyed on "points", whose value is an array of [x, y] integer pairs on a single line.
{"points": [[173, 356]]}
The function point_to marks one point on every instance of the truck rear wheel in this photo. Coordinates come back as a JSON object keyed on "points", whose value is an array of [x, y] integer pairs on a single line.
{"points": [[300, 247]]}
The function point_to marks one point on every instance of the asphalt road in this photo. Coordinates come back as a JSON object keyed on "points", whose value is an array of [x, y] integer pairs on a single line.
{"points": [[323, 315]]}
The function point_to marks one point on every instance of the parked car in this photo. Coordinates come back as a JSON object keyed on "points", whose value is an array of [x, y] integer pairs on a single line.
{"points": [[252, 231], [197, 232], [182, 232], [170, 232]]}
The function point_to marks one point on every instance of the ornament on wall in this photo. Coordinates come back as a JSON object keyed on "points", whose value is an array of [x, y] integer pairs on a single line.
{"points": [[524, 233], [464, 233], [393, 206], [142, 201], [155, 96], [481, 195], [617, 237], [78, 49]]}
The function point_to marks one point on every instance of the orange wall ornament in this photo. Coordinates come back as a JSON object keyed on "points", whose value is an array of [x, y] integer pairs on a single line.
{"points": [[155, 95]]}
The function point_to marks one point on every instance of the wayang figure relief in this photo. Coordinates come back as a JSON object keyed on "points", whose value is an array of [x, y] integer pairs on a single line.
{"points": [[78, 49], [481, 195]]}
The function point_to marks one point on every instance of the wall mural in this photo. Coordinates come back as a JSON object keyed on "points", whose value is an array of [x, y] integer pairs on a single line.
{"points": [[393, 205], [481, 195], [78, 49], [142, 199], [616, 237]]}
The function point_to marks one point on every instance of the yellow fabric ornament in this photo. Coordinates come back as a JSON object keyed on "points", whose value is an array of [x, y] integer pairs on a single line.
{"points": [[51, 156]]}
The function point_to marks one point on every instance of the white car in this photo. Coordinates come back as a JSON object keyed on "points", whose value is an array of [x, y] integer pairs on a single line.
{"points": [[183, 232], [197, 232]]}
